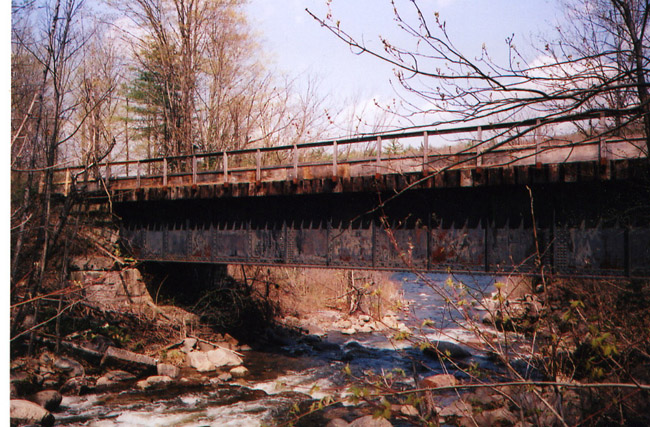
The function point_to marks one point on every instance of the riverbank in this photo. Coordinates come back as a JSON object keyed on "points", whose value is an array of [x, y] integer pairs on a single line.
{"points": [[467, 350]]}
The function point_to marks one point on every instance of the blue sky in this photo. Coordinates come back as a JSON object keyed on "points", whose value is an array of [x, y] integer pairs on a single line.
{"points": [[297, 44]]}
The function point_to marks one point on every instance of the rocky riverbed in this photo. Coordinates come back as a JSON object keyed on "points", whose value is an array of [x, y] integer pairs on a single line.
{"points": [[320, 362]]}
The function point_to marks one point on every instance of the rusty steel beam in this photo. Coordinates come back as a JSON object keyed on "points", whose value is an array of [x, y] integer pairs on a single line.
{"points": [[582, 229]]}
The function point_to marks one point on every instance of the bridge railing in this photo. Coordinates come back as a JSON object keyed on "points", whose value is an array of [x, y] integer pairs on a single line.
{"points": [[496, 145]]}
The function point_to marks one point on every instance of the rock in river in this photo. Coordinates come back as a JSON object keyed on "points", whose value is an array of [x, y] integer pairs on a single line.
{"points": [[446, 349], [26, 412]]}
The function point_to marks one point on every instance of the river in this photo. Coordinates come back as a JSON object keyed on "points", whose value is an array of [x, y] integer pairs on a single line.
{"points": [[280, 379]]}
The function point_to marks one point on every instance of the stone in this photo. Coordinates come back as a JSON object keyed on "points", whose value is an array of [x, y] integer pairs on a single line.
{"points": [[337, 422], [229, 339], [365, 329], [315, 330], [70, 367], [239, 371], [499, 416], [188, 345], [154, 382], [440, 380], [199, 361], [457, 409], [446, 349], [364, 318], [168, 370], [75, 386], [120, 375], [349, 331], [22, 382], [343, 324], [370, 421], [204, 346], [48, 399], [50, 381], [409, 411], [26, 412], [129, 361], [221, 357], [113, 379], [122, 291], [225, 377], [92, 263]]}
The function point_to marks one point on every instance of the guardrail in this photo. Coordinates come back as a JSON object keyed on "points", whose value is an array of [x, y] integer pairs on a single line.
{"points": [[324, 158]]}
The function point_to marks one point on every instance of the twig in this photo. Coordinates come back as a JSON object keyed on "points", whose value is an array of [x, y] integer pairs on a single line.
{"points": [[216, 345]]}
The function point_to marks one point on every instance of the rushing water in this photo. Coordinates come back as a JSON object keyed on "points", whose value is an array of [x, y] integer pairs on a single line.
{"points": [[278, 380]]}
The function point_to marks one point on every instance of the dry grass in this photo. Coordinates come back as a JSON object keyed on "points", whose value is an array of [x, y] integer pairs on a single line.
{"points": [[300, 291]]}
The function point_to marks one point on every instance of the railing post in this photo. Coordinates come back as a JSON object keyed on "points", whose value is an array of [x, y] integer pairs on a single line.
{"points": [[378, 162], [538, 161], [66, 188], [108, 171], [137, 179], [258, 165], [479, 150], [165, 172], [193, 169], [225, 167], [602, 143], [335, 160], [425, 154], [295, 162]]}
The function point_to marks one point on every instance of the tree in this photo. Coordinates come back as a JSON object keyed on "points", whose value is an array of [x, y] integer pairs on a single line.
{"points": [[48, 46], [199, 83], [600, 65]]}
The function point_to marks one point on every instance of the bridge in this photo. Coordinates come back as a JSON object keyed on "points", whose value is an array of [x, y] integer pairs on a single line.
{"points": [[494, 202]]}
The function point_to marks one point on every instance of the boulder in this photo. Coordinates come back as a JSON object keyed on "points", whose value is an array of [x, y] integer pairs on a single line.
{"points": [[447, 349], [188, 345], [154, 382], [365, 329], [168, 370], [204, 346], [26, 412], [239, 371], [409, 410], [70, 367], [129, 361], [343, 324], [220, 357], [48, 399], [225, 377], [199, 361], [113, 379], [440, 380], [370, 421], [229, 339], [457, 409], [23, 383], [75, 386]]}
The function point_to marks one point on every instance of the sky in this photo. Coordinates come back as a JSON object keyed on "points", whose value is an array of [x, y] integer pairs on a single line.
{"points": [[295, 43]]}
